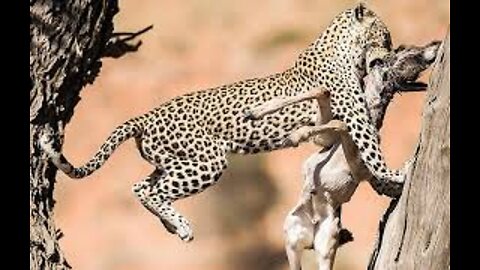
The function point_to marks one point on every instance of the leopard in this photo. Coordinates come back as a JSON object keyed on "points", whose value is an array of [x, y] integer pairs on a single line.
{"points": [[187, 138]]}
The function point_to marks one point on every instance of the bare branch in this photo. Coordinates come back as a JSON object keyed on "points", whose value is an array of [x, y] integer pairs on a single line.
{"points": [[118, 44]]}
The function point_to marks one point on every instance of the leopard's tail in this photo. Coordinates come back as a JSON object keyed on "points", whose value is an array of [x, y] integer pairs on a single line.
{"points": [[127, 130]]}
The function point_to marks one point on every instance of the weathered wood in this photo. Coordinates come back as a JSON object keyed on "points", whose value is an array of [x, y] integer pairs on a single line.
{"points": [[415, 231], [67, 42]]}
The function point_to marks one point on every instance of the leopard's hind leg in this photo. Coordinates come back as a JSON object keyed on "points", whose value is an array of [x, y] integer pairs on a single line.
{"points": [[176, 178], [160, 206]]}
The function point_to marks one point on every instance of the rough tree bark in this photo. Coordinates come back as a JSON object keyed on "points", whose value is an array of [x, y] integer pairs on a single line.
{"points": [[415, 231], [67, 41]]}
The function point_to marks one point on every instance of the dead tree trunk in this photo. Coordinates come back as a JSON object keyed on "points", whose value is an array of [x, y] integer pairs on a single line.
{"points": [[67, 41], [415, 231]]}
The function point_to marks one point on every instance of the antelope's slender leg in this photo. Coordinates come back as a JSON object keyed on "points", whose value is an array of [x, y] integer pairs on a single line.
{"points": [[276, 104], [326, 134]]}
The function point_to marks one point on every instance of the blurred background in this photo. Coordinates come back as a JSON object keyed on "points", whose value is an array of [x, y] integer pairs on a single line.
{"points": [[197, 44]]}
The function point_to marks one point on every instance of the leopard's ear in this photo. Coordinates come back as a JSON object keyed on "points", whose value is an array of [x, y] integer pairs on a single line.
{"points": [[359, 11]]}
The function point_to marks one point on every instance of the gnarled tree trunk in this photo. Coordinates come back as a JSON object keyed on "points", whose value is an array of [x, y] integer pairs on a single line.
{"points": [[67, 41], [415, 231]]}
